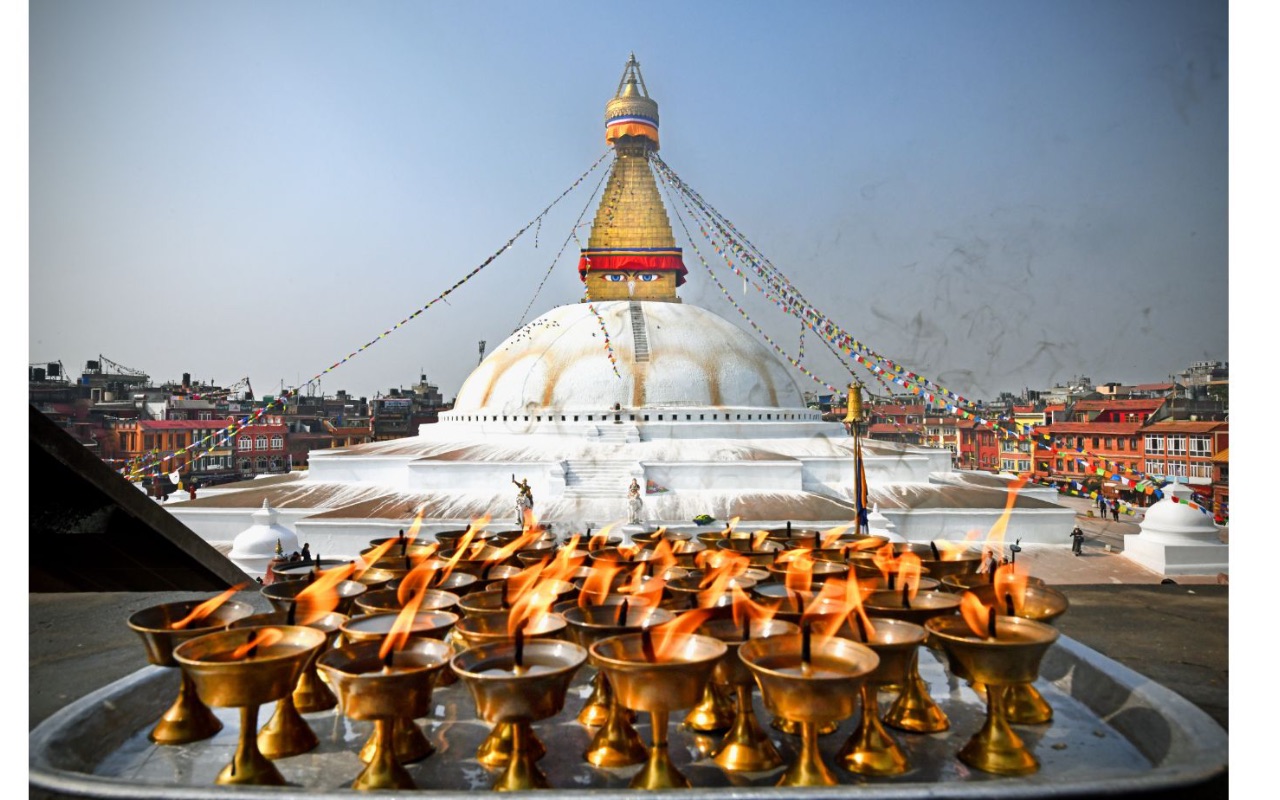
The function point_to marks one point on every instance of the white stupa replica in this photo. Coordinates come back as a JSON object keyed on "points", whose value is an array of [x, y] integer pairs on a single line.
{"points": [[700, 415], [1177, 539]]}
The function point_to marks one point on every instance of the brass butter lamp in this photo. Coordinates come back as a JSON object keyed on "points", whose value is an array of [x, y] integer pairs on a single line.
{"points": [[1010, 652], [518, 683], [187, 719], [746, 747], [810, 684], [243, 669], [385, 689], [870, 750], [616, 743], [659, 683], [1024, 705], [913, 710]]}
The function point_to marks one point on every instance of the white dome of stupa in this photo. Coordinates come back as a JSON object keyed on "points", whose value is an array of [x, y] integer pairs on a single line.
{"points": [[667, 355], [1169, 516], [255, 546]]}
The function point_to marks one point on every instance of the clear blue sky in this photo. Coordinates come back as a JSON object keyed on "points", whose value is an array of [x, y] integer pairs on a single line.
{"points": [[996, 194]]}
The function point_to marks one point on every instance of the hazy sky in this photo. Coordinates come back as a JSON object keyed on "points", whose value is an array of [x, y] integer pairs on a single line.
{"points": [[996, 194]]}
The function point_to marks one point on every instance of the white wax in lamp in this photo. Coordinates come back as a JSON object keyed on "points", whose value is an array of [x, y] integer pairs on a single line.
{"points": [[512, 671]]}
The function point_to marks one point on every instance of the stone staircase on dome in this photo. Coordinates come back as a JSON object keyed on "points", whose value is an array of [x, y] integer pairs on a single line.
{"points": [[639, 336], [599, 478]]}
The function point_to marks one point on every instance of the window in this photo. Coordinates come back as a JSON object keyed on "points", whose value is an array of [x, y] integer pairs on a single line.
{"points": [[1155, 444], [245, 465], [1110, 442], [1095, 443], [1177, 445], [277, 442], [1024, 465], [1007, 465], [262, 463], [1177, 469], [1120, 444], [1201, 470], [246, 443], [1154, 468], [262, 443], [1201, 445]]}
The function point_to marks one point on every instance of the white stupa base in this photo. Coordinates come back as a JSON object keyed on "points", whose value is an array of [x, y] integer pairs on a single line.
{"points": [[1177, 559]]}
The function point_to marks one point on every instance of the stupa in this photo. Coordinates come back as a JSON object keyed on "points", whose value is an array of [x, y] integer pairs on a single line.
{"points": [[629, 384], [1177, 539]]}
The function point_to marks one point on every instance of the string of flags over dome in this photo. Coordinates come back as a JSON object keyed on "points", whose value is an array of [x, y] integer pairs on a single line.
{"points": [[631, 130]]}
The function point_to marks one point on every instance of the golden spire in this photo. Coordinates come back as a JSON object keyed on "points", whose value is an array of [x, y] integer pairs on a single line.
{"points": [[631, 252]]}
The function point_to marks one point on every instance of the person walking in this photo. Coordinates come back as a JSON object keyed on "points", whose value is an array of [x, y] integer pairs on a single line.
{"points": [[1102, 506], [1077, 540], [1115, 509]]}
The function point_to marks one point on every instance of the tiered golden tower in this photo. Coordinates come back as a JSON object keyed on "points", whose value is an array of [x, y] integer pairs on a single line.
{"points": [[631, 253]]}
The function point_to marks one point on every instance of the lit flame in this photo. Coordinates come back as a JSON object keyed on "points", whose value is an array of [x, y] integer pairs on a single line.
{"points": [[828, 538], [398, 636], [948, 550], [995, 537], [758, 539], [374, 556], [417, 523], [629, 551], [663, 556], [598, 583], [206, 608], [1012, 584], [533, 604], [975, 614], [745, 609], [418, 579], [713, 586], [566, 561], [729, 531], [321, 595], [730, 561], [799, 576], [831, 607], [599, 541], [885, 561], [263, 638], [909, 574], [529, 537], [668, 637], [474, 528]]}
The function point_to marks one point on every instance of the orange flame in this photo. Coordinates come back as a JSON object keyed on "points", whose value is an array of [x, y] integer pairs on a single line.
{"points": [[729, 531], [827, 612], [505, 552], [373, 556], [668, 636], [478, 524], [975, 614], [533, 604], [758, 539], [745, 609], [995, 537], [909, 566], [321, 595], [206, 608], [885, 561], [629, 551], [730, 561], [398, 636], [567, 560], [948, 550], [418, 579], [799, 577], [263, 638], [663, 556], [412, 534], [598, 583], [1012, 584], [827, 539]]}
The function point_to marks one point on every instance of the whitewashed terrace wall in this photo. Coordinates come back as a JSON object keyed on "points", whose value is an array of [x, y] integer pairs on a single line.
{"points": [[1032, 526], [721, 475]]}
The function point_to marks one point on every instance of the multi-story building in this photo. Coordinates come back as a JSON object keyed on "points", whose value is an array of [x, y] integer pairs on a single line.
{"points": [[1183, 451], [896, 422], [138, 441], [977, 446], [260, 446]]}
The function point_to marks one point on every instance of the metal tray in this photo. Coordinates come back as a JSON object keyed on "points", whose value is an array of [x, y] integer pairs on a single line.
{"points": [[1114, 732]]}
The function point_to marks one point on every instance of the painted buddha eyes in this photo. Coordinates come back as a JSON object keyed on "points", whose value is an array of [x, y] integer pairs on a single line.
{"points": [[619, 277]]}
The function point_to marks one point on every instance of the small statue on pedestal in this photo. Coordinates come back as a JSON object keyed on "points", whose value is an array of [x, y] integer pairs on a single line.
{"points": [[634, 503]]}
